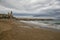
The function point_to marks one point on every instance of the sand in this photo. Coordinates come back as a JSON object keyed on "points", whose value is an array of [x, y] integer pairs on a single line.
{"points": [[15, 31]]}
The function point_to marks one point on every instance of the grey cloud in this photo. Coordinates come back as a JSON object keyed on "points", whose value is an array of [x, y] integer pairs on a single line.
{"points": [[58, 0], [53, 12], [26, 5]]}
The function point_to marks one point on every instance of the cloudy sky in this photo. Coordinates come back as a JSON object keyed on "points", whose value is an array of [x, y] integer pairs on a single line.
{"points": [[30, 6]]}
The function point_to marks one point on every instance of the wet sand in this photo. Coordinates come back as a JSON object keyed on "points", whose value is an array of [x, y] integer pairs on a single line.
{"points": [[18, 31]]}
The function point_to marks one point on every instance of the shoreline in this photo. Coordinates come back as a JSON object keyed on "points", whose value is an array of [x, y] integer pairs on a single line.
{"points": [[16, 32], [38, 26]]}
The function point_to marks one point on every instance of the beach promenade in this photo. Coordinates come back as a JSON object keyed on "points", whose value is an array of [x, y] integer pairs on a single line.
{"points": [[15, 30]]}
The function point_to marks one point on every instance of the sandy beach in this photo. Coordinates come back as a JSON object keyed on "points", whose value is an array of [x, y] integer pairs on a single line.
{"points": [[20, 31]]}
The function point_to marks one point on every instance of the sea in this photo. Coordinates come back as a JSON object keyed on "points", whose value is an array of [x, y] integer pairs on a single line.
{"points": [[55, 24]]}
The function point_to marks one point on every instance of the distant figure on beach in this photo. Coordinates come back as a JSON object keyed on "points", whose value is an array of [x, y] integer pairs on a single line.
{"points": [[10, 15]]}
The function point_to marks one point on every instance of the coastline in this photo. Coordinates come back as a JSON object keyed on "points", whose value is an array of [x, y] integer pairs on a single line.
{"points": [[40, 26], [16, 31]]}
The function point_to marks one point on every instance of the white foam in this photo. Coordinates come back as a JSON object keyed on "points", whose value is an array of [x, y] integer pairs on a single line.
{"points": [[42, 24]]}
